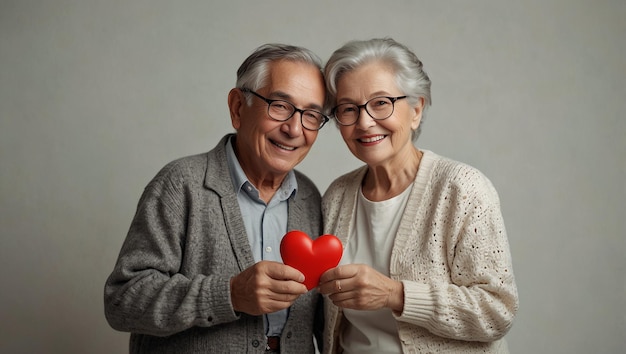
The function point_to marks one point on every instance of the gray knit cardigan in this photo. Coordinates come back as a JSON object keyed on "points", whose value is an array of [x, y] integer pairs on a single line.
{"points": [[170, 285]]}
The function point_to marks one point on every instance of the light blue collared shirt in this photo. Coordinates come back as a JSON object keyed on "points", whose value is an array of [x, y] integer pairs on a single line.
{"points": [[266, 224]]}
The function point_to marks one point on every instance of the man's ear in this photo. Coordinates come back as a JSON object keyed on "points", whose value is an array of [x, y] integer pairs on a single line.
{"points": [[236, 101]]}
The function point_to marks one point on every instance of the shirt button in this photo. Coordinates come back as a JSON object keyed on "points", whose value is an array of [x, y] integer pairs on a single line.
{"points": [[255, 343], [268, 249]]}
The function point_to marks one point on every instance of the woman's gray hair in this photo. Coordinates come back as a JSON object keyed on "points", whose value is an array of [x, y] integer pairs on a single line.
{"points": [[253, 72], [411, 78]]}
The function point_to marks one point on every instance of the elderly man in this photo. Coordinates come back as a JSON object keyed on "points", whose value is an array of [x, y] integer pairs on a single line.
{"points": [[200, 270]]}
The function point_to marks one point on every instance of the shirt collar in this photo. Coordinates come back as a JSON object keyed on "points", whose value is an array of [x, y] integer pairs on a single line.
{"points": [[287, 188]]}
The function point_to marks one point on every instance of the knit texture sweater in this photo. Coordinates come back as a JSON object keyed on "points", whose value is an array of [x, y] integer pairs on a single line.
{"points": [[171, 284], [450, 252]]}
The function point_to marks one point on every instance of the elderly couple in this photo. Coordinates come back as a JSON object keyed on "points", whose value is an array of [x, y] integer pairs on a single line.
{"points": [[426, 266]]}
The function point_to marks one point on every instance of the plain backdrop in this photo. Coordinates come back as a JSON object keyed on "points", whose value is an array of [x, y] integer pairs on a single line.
{"points": [[96, 96]]}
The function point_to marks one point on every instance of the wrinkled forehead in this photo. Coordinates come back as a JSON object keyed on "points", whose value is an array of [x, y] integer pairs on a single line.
{"points": [[296, 82]]}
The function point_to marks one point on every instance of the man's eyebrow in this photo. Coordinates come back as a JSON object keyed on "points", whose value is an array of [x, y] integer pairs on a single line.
{"points": [[280, 95]]}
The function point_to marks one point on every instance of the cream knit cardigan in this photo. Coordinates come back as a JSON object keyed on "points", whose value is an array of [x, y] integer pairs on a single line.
{"points": [[451, 253]]}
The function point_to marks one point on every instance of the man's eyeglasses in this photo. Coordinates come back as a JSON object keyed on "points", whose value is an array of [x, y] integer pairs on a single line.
{"points": [[378, 108], [280, 110]]}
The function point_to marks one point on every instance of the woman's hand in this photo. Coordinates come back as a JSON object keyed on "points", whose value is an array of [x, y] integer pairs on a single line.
{"points": [[360, 287]]}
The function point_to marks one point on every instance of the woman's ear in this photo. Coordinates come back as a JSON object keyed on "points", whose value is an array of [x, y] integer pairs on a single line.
{"points": [[236, 101], [417, 117]]}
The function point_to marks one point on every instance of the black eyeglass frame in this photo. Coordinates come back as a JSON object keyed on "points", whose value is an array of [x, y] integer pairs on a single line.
{"points": [[295, 109], [364, 106]]}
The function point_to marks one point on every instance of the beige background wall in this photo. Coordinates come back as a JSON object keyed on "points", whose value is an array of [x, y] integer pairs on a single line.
{"points": [[96, 96]]}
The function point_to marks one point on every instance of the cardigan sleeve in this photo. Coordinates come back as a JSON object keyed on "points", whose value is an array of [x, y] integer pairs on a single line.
{"points": [[146, 293], [475, 298]]}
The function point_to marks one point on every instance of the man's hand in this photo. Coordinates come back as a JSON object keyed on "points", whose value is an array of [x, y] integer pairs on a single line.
{"points": [[266, 287]]}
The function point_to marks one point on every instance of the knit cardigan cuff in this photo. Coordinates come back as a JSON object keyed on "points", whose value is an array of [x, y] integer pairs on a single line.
{"points": [[419, 303], [214, 302]]}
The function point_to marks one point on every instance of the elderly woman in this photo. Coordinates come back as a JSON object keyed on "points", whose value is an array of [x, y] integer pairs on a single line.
{"points": [[426, 265]]}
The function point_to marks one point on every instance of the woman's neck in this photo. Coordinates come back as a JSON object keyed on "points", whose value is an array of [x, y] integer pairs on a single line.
{"points": [[388, 180]]}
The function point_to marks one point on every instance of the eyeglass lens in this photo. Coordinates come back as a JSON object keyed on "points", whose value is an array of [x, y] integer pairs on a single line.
{"points": [[283, 110], [377, 108]]}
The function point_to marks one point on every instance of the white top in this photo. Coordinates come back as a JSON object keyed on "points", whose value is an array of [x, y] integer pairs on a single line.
{"points": [[376, 224]]}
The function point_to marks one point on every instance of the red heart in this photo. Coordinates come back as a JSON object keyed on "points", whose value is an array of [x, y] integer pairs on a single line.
{"points": [[310, 257]]}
